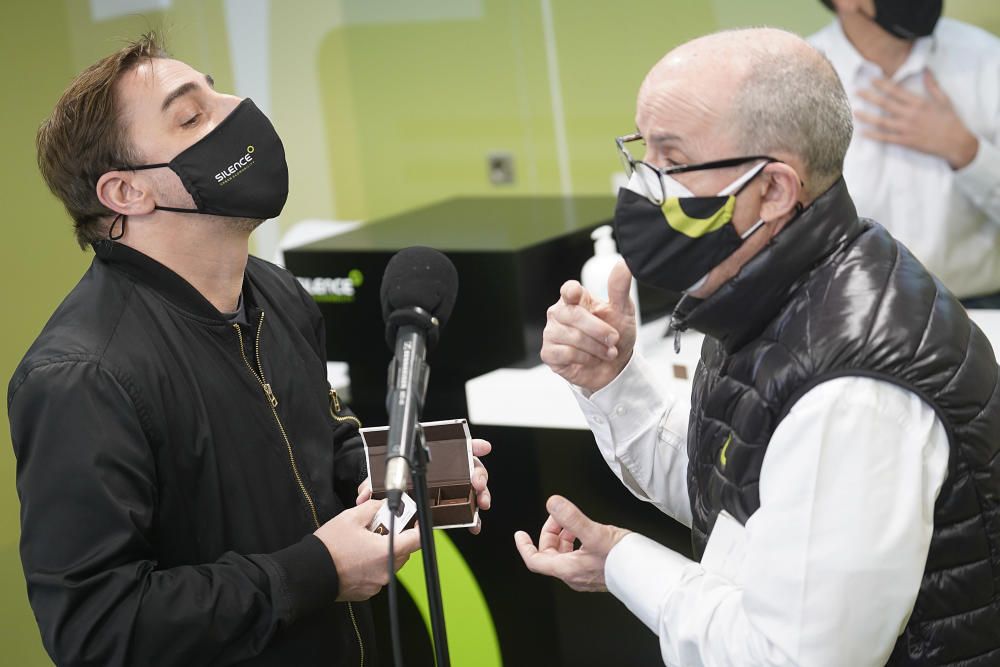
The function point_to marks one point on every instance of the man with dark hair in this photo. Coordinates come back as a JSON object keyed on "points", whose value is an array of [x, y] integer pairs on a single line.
{"points": [[925, 162], [839, 466], [187, 477], [86, 125]]}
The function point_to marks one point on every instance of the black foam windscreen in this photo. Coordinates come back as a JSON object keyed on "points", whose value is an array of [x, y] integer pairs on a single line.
{"points": [[418, 277]]}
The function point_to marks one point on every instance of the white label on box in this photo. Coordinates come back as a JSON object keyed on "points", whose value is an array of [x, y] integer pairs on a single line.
{"points": [[380, 524]]}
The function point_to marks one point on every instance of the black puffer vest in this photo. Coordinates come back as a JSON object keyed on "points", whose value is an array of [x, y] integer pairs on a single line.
{"points": [[830, 296]]}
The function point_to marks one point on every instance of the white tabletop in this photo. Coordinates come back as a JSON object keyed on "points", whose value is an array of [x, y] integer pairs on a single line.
{"points": [[537, 397]]}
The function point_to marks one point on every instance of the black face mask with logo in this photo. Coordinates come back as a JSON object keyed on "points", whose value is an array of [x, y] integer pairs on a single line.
{"points": [[674, 245], [237, 170], [908, 19]]}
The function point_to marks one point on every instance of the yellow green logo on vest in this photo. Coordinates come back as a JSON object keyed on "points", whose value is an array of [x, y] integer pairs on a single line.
{"points": [[722, 454]]}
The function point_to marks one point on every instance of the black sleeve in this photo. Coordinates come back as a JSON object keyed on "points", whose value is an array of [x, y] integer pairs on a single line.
{"points": [[348, 456], [86, 479], [349, 467]]}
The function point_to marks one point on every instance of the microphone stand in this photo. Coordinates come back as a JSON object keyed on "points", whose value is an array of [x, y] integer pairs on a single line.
{"points": [[432, 579]]}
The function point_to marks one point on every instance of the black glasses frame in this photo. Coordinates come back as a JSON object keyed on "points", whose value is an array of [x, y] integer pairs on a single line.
{"points": [[629, 163]]}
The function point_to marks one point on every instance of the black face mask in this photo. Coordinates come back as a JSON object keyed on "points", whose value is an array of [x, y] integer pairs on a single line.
{"points": [[237, 170], [908, 19], [674, 245]]}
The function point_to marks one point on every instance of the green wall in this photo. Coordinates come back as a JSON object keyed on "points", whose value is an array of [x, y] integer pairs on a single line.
{"points": [[382, 106], [38, 258]]}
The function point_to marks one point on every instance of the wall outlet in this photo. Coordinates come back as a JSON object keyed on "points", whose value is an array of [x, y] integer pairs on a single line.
{"points": [[500, 168]]}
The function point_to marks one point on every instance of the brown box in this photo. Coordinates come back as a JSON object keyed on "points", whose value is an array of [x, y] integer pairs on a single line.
{"points": [[449, 472]]}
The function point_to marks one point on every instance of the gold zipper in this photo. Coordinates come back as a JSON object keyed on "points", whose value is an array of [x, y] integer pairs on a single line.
{"points": [[335, 410], [357, 632], [273, 401]]}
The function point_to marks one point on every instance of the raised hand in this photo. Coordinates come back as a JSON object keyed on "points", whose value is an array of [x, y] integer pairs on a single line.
{"points": [[556, 555], [588, 341], [926, 124]]}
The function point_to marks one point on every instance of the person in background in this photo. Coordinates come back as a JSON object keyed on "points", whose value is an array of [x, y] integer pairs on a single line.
{"points": [[839, 465], [192, 491], [925, 162]]}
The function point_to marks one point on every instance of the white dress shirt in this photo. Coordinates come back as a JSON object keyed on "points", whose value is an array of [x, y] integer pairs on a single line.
{"points": [[949, 219], [826, 571]]}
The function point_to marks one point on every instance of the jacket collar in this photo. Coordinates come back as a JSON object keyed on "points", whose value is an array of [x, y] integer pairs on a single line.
{"points": [[739, 310], [166, 282]]}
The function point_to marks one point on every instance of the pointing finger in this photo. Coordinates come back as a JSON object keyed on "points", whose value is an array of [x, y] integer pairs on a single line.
{"points": [[619, 284]]}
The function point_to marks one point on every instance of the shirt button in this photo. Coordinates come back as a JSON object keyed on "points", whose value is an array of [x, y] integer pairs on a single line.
{"points": [[620, 410], [597, 419]]}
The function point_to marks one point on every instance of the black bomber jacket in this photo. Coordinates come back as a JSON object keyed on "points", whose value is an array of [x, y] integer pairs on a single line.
{"points": [[172, 467]]}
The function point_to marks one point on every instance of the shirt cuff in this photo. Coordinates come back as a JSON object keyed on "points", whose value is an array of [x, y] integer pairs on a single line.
{"points": [[980, 178], [625, 406], [640, 573], [307, 576]]}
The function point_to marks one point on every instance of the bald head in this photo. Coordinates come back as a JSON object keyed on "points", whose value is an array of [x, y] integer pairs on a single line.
{"points": [[757, 91]]}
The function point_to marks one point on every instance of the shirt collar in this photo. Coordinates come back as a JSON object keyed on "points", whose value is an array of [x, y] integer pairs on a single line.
{"points": [[918, 59], [850, 64]]}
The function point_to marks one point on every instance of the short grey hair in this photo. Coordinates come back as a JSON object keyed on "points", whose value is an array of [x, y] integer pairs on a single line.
{"points": [[796, 105]]}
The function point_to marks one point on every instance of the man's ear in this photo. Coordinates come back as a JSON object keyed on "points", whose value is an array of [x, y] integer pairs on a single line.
{"points": [[123, 192], [782, 191]]}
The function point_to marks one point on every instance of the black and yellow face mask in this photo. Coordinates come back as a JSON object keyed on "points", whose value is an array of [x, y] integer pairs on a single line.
{"points": [[675, 244]]}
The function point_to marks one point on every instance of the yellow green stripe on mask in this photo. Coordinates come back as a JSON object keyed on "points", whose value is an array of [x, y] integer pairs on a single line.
{"points": [[706, 216]]}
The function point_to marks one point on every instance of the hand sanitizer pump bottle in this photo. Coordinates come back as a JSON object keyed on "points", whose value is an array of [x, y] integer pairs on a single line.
{"points": [[596, 270]]}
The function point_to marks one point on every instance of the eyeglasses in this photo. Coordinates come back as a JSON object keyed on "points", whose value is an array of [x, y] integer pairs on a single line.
{"points": [[651, 178]]}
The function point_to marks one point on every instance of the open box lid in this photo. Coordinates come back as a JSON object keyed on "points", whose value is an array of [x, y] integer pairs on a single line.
{"points": [[450, 445]]}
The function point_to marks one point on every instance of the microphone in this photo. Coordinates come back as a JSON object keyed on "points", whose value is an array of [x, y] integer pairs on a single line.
{"points": [[418, 293]]}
